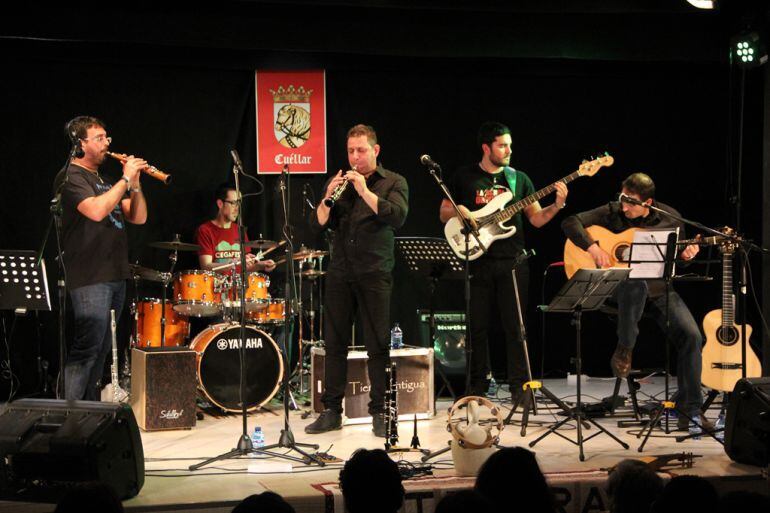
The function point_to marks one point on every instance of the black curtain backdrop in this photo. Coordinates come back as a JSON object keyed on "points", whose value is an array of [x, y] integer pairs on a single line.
{"points": [[183, 109]]}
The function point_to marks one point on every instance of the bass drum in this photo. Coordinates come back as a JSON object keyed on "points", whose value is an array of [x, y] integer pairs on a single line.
{"points": [[219, 366]]}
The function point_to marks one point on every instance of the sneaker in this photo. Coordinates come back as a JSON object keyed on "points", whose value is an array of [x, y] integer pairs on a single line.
{"points": [[328, 420], [379, 426], [621, 362]]}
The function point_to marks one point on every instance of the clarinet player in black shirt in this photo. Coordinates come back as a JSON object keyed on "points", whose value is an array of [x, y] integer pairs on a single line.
{"points": [[358, 285]]}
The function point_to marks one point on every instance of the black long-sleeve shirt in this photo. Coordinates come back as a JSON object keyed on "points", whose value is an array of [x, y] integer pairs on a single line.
{"points": [[363, 241]]}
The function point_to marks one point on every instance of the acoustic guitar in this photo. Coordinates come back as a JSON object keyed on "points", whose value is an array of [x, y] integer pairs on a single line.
{"points": [[722, 364], [617, 245]]}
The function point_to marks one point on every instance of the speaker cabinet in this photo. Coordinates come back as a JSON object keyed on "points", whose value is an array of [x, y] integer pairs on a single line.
{"points": [[414, 382], [49, 445], [747, 426], [163, 387], [449, 339]]}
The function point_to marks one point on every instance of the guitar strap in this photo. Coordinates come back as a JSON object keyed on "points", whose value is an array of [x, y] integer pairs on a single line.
{"points": [[511, 175]]}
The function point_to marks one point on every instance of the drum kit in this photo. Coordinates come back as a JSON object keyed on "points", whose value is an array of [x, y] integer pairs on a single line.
{"points": [[215, 293]]}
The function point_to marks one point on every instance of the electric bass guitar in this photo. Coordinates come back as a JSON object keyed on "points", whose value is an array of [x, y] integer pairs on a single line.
{"points": [[617, 245], [722, 361], [489, 221]]}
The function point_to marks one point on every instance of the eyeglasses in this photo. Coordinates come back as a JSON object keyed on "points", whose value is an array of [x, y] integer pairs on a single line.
{"points": [[100, 139], [231, 202]]}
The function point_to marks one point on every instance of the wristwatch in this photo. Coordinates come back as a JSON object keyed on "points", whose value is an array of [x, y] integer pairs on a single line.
{"points": [[128, 182]]}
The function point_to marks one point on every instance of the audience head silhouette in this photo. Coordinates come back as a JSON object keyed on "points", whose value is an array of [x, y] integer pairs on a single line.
{"points": [[632, 487], [265, 502], [371, 483], [514, 472]]}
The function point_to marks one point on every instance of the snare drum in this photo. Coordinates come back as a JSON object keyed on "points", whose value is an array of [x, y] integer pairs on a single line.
{"points": [[218, 348], [148, 322], [194, 293], [273, 314]]}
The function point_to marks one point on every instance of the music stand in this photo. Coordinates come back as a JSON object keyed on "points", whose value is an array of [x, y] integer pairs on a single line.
{"points": [[24, 287], [586, 291], [432, 257], [23, 282]]}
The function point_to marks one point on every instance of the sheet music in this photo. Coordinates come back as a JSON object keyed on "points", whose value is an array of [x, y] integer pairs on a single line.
{"points": [[648, 251]]}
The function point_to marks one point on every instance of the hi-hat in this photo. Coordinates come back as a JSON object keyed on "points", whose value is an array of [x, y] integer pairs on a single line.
{"points": [[175, 246], [312, 274], [145, 273]]}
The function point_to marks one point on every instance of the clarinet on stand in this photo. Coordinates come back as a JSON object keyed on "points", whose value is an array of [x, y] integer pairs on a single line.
{"points": [[391, 409]]}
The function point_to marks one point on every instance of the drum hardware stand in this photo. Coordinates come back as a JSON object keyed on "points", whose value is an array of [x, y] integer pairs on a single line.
{"points": [[587, 290], [244, 446]]}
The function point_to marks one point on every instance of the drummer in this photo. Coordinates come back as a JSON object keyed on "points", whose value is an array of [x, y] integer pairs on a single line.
{"points": [[218, 238]]}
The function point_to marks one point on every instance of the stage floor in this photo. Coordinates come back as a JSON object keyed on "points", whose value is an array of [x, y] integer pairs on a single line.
{"points": [[169, 486]]}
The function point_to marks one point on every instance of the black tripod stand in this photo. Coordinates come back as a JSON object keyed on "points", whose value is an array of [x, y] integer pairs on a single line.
{"points": [[586, 291], [286, 440]]}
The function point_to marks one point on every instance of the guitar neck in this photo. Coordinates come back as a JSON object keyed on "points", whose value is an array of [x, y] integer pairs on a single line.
{"points": [[520, 205], [728, 315]]}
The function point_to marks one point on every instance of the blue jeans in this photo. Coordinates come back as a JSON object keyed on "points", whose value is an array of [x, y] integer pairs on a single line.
{"points": [[632, 299], [93, 337]]}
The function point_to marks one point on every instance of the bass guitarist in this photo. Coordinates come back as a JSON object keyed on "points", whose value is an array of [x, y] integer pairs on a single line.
{"points": [[492, 291], [635, 297]]}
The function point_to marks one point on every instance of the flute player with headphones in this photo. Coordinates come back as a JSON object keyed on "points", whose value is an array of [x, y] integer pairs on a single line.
{"points": [[94, 216]]}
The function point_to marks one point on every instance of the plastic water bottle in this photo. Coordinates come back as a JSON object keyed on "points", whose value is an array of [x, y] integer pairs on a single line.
{"points": [[257, 437], [720, 424], [396, 337]]}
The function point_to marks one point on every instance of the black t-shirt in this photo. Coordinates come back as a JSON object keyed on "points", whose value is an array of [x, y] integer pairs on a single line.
{"points": [[473, 188], [94, 252]]}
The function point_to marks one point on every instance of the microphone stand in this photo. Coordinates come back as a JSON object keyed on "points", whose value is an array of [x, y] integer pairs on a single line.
{"points": [[286, 440], [245, 446], [468, 230], [55, 221]]}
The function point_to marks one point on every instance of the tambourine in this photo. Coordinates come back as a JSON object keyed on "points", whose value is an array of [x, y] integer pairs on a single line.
{"points": [[490, 438]]}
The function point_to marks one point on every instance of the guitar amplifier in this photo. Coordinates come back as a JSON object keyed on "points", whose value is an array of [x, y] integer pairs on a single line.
{"points": [[163, 387], [449, 339], [414, 373]]}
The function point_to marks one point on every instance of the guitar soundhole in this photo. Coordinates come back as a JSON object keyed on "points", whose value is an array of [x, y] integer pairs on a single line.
{"points": [[622, 252], [727, 335]]}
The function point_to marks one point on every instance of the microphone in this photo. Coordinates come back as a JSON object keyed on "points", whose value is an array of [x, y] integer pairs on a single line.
{"points": [[625, 198], [305, 198], [77, 148], [425, 160], [236, 160]]}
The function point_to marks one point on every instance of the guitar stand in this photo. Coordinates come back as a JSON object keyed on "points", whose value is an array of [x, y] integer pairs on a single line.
{"points": [[587, 290]]}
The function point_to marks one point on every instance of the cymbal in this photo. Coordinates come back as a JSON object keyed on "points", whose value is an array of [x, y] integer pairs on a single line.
{"points": [[304, 253], [145, 273], [261, 244], [175, 246]]}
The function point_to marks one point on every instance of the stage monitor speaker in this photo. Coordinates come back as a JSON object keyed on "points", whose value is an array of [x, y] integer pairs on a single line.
{"points": [[449, 341], [747, 426], [50, 445], [163, 387]]}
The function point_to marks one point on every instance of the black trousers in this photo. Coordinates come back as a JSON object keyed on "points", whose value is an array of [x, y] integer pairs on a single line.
{"points": [[365, 299], [493, 300]]}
